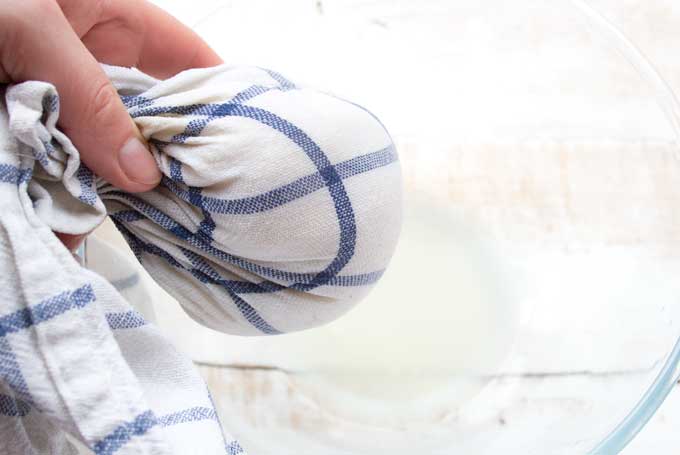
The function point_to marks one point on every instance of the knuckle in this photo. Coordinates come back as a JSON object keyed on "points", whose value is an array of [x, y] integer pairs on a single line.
{"points": [[91, 10], [103, 105], [99, 7]]}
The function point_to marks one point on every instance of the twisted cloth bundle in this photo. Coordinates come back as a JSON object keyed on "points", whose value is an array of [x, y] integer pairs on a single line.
{"points": [[278, 210]]}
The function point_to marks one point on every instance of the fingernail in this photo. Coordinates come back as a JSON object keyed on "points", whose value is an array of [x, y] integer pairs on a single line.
{"points": [[138, 164]]}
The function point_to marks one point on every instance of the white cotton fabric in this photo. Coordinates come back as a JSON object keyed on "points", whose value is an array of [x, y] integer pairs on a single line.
{"points": [[279, 210]]}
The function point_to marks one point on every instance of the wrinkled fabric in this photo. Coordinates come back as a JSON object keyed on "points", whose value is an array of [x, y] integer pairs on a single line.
{"points": [[278, 210]]}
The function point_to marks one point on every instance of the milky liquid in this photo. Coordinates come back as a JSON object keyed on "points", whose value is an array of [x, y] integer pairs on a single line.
{"points": [[426, 339]]}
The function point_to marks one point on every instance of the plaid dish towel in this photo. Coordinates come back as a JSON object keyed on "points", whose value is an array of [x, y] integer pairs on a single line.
{"points": [[278, 210]]}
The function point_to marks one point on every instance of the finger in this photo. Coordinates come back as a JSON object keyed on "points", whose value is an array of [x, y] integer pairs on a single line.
{"points": [[91, 113], [71, 241], [187, 51], [149, 38], [82, 14]]}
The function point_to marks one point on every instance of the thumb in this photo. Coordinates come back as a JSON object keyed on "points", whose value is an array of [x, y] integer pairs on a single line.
{"points": [[91, 113]]}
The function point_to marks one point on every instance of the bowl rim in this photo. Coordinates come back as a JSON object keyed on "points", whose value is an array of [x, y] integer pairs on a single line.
{"points": [[669, 374], [645, 408]]}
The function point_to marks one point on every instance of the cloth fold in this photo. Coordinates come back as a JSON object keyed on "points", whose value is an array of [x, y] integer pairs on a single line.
{"points": [[278, 210]]}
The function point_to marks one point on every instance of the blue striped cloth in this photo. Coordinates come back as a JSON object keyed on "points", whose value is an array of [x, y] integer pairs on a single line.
{"points": [[278, 210]]}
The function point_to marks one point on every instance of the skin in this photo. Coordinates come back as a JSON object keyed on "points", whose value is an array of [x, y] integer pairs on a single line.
{"points": [[62, 41]]}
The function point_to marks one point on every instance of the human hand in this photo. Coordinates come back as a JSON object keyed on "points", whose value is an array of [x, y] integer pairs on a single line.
{"points": [[61, 41]]}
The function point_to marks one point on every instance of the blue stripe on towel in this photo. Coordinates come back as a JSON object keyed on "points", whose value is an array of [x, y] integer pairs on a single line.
{"points": [[125, 320], [11, 407], [194, 414], [46, 310], [122, 435], [14, 175], [290, 191]]}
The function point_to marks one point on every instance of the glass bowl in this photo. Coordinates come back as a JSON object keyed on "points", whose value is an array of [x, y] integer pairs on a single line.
{"points": [[532, 305]]}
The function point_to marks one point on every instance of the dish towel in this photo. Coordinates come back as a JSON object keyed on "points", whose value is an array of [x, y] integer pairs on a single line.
{"points": [[278, 210]]}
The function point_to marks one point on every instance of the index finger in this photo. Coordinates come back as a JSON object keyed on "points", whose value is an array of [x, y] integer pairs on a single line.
{"points": [[138, 33], [187, 50]]}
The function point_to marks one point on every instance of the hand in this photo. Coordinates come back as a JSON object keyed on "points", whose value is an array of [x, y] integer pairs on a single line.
{"points": [[61, 41]]}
